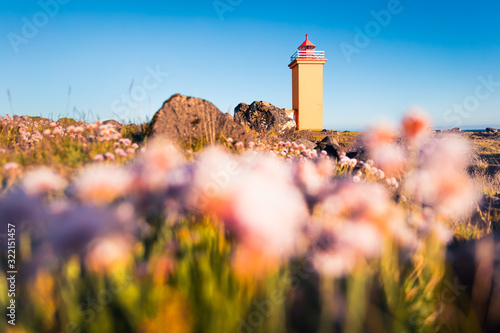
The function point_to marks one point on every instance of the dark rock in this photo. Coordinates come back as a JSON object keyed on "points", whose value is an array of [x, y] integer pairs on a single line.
{"points": [[112, 122], [360, 154], [330, 140], [493, 170], [330, 145], [456, 130], [182, 117], [471, 285], [491, 130], [263, 117]]}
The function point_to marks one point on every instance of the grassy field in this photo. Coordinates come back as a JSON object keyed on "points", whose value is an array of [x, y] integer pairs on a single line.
{"points": [[117, 232]]}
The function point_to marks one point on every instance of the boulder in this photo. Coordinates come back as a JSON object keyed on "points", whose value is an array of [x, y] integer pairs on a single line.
{"points": [[112, 122], [182, 117], [471, 285], [360, 154], [330, 145], [491, 130], [263, 117], [309, 144]]}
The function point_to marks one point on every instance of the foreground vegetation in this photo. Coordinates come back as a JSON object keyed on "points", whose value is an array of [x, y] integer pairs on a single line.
{"points": [[118, 233]]}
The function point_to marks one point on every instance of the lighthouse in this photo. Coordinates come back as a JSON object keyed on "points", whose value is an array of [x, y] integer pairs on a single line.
{"points": [[307, 86]]}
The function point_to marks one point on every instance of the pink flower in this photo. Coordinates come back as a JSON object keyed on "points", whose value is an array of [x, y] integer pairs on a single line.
{"points": [[154, 164], [441, 181], [390, 158], [254, 196], [109, 156], [415, 124], [442, 233], [125, 142], [120, 152], [117, 250], [102, 183], [98, 157], [11, 166], [379, 135], [42, 180]]}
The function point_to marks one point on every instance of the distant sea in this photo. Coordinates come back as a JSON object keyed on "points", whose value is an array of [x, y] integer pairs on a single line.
{"points": [[476, 128], [471, 128]]}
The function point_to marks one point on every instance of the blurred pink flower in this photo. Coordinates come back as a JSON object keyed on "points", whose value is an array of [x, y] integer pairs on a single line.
{"points": [[336, 262], [442, 233], [102, 183], [42, 180], [108, 254], [441, 180], [415, 124], [254, 196], [10, 166], [109, 156], [378, 135], [390, 158], [120, 152], [125, 142]]}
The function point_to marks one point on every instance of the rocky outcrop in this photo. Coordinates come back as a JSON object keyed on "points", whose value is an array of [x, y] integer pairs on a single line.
{"points": [[330, 145], [182, 117], [263, 117], [472, 284], [491, 130], [360, 154], [307, 143], [112, 122]]}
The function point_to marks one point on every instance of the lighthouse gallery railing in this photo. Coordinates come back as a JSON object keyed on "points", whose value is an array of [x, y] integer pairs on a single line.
{"points": [[308, 54]]}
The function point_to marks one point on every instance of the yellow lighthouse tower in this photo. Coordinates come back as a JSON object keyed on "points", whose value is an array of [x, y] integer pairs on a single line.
{"points": [[307, 86]]}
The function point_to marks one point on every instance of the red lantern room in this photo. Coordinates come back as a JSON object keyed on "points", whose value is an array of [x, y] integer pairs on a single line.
{"points": [[306, 49]]}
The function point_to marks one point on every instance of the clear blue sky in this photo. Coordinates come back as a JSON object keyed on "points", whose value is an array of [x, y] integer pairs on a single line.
{"points": [[429, 53]]}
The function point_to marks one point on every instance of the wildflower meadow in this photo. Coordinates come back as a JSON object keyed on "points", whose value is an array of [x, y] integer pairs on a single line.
{"points": [[114, 231]]}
